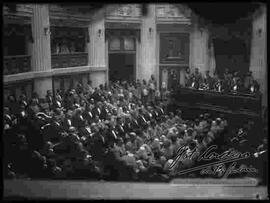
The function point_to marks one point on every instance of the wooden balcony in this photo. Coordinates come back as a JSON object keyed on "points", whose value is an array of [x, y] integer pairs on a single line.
{"points": [[69, 60], [17, 64]]}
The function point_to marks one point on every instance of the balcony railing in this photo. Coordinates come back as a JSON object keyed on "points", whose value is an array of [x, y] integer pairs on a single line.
{"points": [[17, 64], [69, 60]]}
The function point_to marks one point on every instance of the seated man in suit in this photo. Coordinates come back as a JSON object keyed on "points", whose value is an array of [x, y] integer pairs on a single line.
{"points": [[208, 80], [227, 75], [198, 76], [254, 87], [248, 80], [235, 85], [194, 83], [219, 86]]}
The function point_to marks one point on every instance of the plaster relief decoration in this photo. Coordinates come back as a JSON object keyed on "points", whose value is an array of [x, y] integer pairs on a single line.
{"points": [[174, 49], [131, 10], [172, 11]]}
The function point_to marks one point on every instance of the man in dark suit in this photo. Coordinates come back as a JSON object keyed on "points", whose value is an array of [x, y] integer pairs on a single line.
{"points": [[127, 125], [208, 80], [87, 114], [96, 111], [12, 104], [120, 127], [104, 112], [141, 119], [77, 119], [67, 123], [49, 98]]}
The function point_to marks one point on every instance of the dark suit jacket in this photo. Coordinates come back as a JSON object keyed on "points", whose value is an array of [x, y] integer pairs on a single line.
{"points": [[67, 124], [104, 113], [88, 116], [96, 112], [78, 121]]}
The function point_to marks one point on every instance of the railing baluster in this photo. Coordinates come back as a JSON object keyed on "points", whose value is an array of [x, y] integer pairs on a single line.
{"points": [[17, 64], [69, 60]]}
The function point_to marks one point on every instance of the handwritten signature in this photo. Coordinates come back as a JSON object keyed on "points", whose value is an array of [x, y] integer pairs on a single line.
{"points": [[215, 168]]}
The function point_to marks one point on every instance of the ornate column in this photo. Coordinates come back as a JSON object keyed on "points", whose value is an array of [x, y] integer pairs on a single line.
{"points": [[41, 57], [148, 44], [199, 48], [96, 49], [258, 56]]}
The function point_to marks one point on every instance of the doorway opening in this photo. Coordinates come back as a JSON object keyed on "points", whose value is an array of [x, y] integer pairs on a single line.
{"points": [[122, 66]]}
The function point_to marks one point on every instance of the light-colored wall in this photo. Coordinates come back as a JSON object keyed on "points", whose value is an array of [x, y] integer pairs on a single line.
{"points": [[148, 44], [97, 48], [199, 53], [148, 48], [41, 58], [41, 85], [97, 78], [258, 57]]}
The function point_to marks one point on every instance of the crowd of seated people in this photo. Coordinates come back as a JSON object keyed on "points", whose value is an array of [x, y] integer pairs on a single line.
{"points": [[121, 131], [229, 82]]}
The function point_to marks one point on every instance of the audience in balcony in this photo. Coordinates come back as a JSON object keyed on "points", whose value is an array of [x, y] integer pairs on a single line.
{"points": [[65, 46], [234, 83]]}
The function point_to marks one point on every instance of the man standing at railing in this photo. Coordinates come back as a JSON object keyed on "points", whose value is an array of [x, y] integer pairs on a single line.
{"points": [[198, 76], [152, 88], [64, 48], [208, 81], [188, 78]]}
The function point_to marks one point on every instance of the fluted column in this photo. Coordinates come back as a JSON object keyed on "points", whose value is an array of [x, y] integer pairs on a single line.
{"points": [[41, 57], [148, 44], [258, 56], [199, 49], [96, 49]]}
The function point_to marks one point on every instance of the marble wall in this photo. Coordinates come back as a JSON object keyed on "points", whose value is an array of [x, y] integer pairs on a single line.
{"points": [[97, 48], [148, 44], [258, 57], [199, 52]]}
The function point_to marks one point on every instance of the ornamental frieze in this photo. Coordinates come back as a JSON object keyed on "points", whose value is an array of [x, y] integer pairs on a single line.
{"points": [[131, 10], [172, 11]]}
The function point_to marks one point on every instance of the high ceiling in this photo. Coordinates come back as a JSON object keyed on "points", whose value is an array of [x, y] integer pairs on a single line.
{"points": [[214, 12], [217, 13]]}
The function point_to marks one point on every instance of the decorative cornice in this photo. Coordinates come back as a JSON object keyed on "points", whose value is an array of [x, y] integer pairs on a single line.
{"points": [[117, 19], [122, 25], [173, 21], [56, 12], [68, 23]]}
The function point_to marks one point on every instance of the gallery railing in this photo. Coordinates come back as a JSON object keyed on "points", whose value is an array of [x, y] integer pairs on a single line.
{"points": [[69, 60], [17, 64]]}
